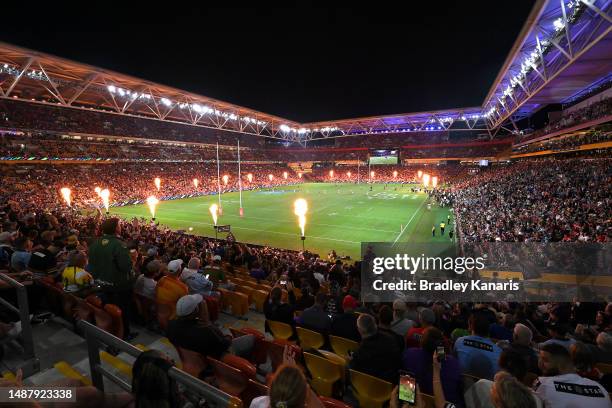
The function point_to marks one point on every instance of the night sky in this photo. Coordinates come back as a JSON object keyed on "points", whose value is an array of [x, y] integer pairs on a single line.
{"points": [[303, 63]]}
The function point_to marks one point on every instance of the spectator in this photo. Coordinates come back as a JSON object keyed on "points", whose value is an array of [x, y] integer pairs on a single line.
{"points": [[427, 318], [170, 288], [345, 324], [6, 248], [378, 353], [110, 263], [275, 309], [74, 276], [196, 281], [561, 387], [401, 323], [22, 254], [521, 343], [558, 333], [477, 354], [315, 317], [418, 360], [146, 284], [151, 384], [508, 392], [385, 317]]}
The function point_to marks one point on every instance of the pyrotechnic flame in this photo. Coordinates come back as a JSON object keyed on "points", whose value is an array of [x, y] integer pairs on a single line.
{"points": [[97, 190], [196, 182], [250, 177], [270, 177], [299, 175], [214, 211], [419, 174], [66, 192], [285, 175], [394, 173], [331, 174], [372, 174], [225, 179], [152, 202], [300, 207], [105, 195], [157, 182], [434, 181], [426, 180], [348, 174]]}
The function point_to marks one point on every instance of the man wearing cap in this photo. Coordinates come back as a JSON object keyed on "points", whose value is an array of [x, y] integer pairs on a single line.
{"points": [[188, 331], [214, 271], [170, 288], [110, 263], [427, 318], [345, 324]]}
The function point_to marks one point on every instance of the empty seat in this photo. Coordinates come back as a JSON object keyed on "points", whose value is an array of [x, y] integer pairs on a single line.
{"points": [[310, 339], [242, 364], [325, 373], [259, 297], [193, 362], [117, 319], [280, 330], [239, 303], [371, 392], [342, 346], [228, 378]]}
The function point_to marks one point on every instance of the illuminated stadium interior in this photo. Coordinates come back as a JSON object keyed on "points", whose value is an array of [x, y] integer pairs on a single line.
{"points": [[159, 247]]}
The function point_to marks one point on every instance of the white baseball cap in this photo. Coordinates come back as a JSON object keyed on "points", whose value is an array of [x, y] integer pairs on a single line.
{"points": [[187, 304], [175, 265]]}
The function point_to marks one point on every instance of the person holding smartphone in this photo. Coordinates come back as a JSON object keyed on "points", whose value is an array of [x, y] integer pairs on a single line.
{"points": [[407, 394]]}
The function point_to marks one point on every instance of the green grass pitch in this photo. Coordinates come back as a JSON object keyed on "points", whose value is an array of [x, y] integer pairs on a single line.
{"points": [[339, 217]]}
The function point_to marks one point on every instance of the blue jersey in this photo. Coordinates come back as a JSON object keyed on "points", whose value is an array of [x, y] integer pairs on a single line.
{"points": [[478, 356]]}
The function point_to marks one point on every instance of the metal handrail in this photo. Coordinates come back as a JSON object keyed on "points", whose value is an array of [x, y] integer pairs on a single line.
{"points": [[97, 338], [32, 363]]}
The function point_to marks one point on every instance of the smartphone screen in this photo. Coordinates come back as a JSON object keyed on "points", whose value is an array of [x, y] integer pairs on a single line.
{"points": [[407, 388], [283, 282], [441, 353]]}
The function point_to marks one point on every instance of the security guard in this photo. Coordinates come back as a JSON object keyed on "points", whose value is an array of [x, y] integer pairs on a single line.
{"points": [[110, 263], [442, 226]]}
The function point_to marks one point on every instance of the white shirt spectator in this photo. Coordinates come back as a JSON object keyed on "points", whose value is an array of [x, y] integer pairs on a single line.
{"points": [[571, 391], [145, 286]]}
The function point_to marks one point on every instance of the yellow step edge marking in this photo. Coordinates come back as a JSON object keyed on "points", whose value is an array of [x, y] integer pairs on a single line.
{"points": [[165, 341], [123, 367], [69, 372], [8, 376], [141, 347]]}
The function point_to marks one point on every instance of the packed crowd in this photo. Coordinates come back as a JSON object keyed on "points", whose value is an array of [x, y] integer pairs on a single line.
{"points": [[571, 117], [567, 142], [538, 200], [134, 182]]}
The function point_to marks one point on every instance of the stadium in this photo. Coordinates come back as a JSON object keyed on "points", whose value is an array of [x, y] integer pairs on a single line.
{"points": [[163, 248]]}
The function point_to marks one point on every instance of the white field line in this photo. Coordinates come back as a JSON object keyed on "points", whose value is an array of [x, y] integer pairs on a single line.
{"points": [[409, 221]]}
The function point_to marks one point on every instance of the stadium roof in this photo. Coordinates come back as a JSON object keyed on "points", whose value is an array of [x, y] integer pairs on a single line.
{"points": [[563, 48]]}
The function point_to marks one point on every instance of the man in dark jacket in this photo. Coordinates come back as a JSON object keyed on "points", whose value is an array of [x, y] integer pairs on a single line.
{"points": [[110, 263], [275, 309], [345, 324], [378, 354], [316, 317]]}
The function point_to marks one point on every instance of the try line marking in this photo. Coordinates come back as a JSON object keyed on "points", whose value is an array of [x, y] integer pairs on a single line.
{"points": [[409, 221]]}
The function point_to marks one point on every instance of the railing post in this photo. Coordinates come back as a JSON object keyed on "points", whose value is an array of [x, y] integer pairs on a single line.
{"points": [[31, 364], [93, 351]]}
